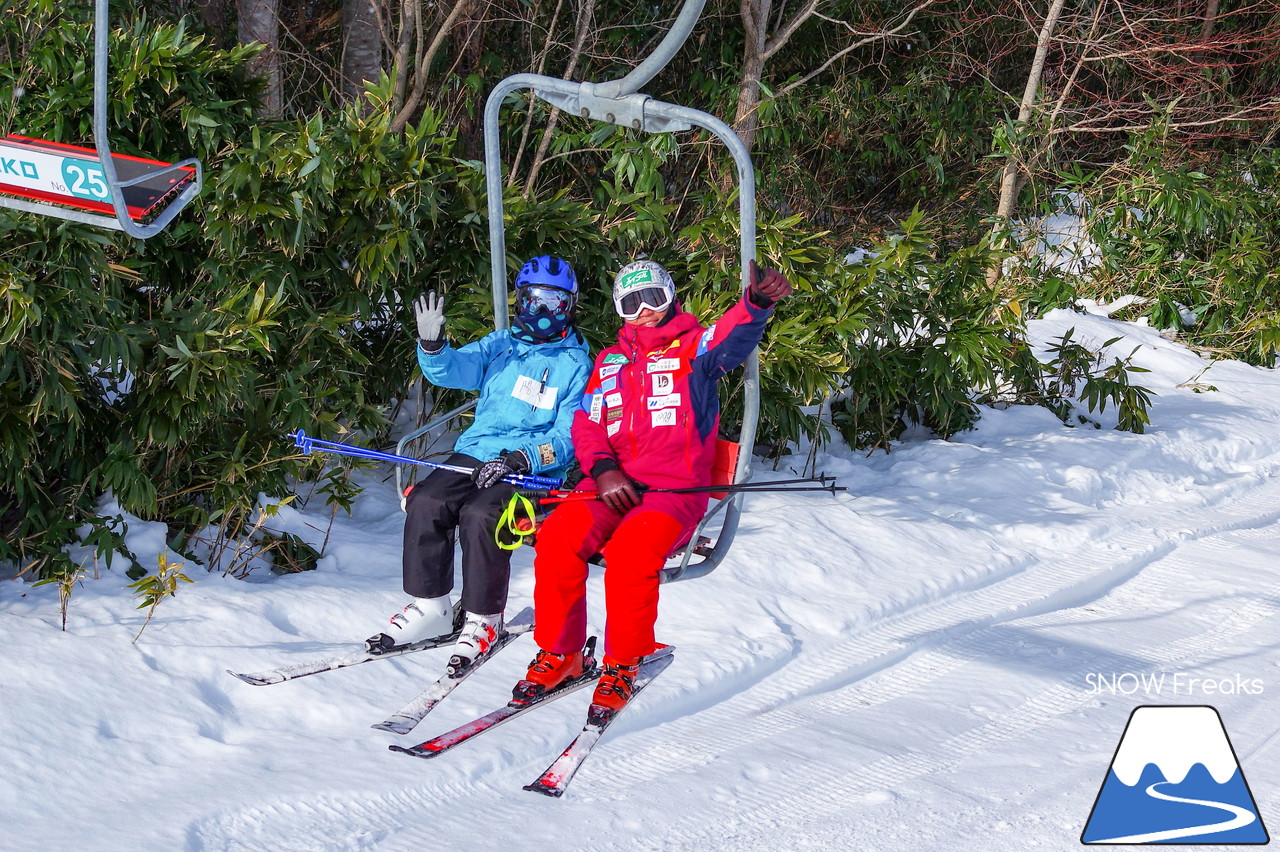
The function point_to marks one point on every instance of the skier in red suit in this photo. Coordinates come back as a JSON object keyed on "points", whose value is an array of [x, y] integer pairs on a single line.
{"points": [[650, 415]]}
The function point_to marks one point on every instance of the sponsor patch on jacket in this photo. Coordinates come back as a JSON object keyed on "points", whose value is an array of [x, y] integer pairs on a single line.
{"points": [[535, 393], [665, 365], [665, 417], [663, 383], [609, 370], [615, 358], [668, 401], [609, 385], [612, 429], [547, 454], [613, 415], [597, 403], [704, 342], [613, 400]]}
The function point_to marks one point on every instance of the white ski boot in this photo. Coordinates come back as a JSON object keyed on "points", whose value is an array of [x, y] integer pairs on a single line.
{"points": [[421, 618], [479, 632]]}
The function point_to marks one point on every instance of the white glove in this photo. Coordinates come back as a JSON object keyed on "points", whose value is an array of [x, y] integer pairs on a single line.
{"points": [[428, 310]]}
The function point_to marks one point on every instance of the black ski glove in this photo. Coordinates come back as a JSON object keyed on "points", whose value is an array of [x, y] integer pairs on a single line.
{"points": [[493, 471], [767, 286]]}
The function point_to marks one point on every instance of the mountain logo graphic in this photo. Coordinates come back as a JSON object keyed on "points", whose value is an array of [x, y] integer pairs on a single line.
{"points": [[1175, 779]]}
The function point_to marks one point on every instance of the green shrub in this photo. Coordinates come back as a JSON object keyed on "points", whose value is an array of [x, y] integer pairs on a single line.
{"points": [[1077, 374], [168, 372], [78, 306], [936, 345], [1199, 246]]}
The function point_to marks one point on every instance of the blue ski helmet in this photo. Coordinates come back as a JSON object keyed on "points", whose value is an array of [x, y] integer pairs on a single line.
{"points": [[548, 271], [546, 294]]}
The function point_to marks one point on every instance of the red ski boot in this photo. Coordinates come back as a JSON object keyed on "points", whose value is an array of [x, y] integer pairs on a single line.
{"points": [[546, 672], [614, 688]]}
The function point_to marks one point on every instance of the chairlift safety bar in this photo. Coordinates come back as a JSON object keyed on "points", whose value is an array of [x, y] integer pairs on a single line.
{"points": [[86, 186], [53, 173]]}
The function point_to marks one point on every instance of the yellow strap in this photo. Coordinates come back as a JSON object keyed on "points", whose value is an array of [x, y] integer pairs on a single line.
{"points": [[509, 522]]}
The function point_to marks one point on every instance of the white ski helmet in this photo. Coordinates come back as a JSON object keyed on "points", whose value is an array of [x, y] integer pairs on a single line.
{"points": [[642, 284]]}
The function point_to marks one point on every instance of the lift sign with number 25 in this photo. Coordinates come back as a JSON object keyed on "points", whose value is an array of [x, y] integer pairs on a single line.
{"points": [[85, 180]]}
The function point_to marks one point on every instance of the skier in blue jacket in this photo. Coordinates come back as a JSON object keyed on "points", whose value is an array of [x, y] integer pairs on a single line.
{"points": [[531, 379]]}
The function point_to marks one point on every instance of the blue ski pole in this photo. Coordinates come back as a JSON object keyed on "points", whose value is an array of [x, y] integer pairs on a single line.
{"points": [[308, 445]]}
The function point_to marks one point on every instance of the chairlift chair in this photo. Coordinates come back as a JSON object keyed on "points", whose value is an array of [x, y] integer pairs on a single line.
{"points": [[95, 186], [619, 102]]}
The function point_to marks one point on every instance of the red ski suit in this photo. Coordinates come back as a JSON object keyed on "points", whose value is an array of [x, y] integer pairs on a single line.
{"points": [[650, 406]]}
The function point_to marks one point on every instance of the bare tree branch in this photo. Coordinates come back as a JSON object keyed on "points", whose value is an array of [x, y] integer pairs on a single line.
{"points": [[1268, 111], [424, 66], [586, 17], [775, 43], [1009, 176], [539, 68], [883, 35]]}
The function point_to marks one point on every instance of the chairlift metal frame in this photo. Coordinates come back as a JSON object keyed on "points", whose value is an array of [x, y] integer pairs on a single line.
{"points": [[90, 207], [619, 102]]}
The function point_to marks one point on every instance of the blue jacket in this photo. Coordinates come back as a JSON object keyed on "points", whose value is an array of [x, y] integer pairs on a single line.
{"points": [[528, 395]]}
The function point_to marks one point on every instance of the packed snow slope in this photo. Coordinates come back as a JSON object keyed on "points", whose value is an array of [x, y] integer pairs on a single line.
{"points": [[943, 657]]}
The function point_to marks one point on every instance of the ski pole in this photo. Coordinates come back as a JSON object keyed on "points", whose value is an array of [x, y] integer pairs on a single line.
{"points": [[557, 496], [770, 485], [308, 445], [763, 485], [821, 479]]}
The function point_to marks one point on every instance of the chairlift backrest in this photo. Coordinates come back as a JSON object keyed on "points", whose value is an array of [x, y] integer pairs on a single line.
{"points": [[95, 186]]}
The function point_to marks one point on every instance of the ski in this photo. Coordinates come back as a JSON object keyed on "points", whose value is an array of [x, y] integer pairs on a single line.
{"points": [[354, 658], [476, 727], [556, 779], [407, 717]]}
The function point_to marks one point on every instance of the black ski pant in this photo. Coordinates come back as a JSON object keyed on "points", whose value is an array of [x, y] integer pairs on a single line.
{"points": [[438, 507]]}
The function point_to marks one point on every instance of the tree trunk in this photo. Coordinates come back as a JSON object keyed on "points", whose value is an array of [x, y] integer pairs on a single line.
{"points": [[1210, 19], [213, 13], [586, 17], [361, 47], [260, 22], [755, 21], [402, 66], [1009, 176], [420, 68]]}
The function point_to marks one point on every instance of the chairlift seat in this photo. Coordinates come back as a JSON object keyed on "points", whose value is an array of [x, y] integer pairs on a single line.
{"points": [[72, 176], [619, 102]]}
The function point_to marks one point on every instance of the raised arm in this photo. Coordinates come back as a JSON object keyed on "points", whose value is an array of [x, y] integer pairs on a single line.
{"points": [[728, 341]]}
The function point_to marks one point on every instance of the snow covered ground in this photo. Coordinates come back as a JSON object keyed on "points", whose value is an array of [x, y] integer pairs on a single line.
{"points": [[921, 663]]}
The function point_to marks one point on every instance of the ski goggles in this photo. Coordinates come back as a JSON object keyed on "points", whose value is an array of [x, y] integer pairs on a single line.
{"points": [[534, 299], [631, 305]]}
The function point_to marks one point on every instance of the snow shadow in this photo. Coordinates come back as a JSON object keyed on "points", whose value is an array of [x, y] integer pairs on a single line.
{"points": [[1032, 652]]}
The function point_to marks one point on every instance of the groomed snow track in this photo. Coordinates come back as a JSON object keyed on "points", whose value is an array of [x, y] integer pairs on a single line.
{"points": [[850, 690]]}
